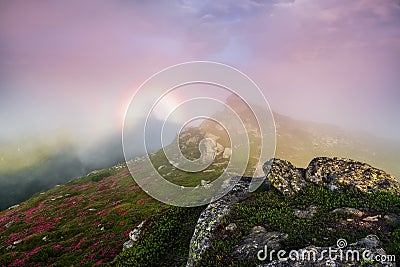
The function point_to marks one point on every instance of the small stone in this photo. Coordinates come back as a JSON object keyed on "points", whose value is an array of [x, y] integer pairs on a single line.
{"points": [[17, 242], [348, 211], [372, 218], [231, 227], [258, 237], [227, 153], [161, 167], [257, 230], [128, 244], [392, 219], [306, 214]]}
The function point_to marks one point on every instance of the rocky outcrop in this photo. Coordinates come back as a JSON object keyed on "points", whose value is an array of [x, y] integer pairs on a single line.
{"points": [[134, 235], [259, 237], [336, 174], [348, 211], [285, 177], [307, 213], [332, 173], [227, 153], [211, 217], [339, 173], [361, 253]]}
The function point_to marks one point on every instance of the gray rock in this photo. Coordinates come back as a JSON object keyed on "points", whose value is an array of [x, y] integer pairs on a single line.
{"points": [[369, 244], [392, 219], [13, 207], [348, 211], [335, 174], [134, 235], [285, 177], [258, 238], [338, 174], [211, 217], [231, 227], [227, 153], [306, 214], [208, 150]]}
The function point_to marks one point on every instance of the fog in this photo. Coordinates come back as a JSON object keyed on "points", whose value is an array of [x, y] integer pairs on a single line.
{"points": [[69, 69]]}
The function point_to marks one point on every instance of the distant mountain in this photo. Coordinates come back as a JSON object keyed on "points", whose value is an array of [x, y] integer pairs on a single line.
{"points": [[300, 141]]}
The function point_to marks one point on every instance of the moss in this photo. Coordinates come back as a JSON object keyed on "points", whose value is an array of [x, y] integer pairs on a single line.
{"points": [[164, 240], [275, 212]]}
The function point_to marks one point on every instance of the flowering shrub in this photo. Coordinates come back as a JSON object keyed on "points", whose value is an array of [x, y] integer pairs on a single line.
{"points": [[60, 227]]}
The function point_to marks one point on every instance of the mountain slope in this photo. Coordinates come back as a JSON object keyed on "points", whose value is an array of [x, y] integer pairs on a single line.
{"points": [[87, 220], [83, 222], [295, 209]]}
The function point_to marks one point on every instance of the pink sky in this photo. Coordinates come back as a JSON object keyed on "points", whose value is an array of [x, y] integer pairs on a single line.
{"points": [[73, 65]]}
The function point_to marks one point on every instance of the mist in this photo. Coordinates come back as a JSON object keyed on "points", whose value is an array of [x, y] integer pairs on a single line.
{"points": [[68, 71]]}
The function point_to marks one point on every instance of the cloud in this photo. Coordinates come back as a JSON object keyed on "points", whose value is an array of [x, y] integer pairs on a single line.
{"points": [[75, 65]]}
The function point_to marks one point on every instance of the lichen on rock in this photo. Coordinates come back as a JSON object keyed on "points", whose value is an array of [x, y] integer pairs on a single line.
{"points": [[336, 174], [283, 176], [340, 173], [211, 217]]}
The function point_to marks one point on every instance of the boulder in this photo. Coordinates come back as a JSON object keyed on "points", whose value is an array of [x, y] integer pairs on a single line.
{"points": [[335, 174], [306, 214], [364, 248], [348, 211], [211, 217], [338, 174], [258, 238], [134, 235], [227, 153], [285, 177]]}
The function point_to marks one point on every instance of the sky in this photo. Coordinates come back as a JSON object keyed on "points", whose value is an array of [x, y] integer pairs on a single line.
{"points": [[71, 67]]}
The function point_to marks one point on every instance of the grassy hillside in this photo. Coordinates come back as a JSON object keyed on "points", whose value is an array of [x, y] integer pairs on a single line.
{"points": [[83, 222], [86, 221]]}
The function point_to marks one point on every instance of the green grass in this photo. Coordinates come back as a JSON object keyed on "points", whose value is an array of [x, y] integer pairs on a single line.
{"points": [[275, 213], [83, 222], [164, 240]]}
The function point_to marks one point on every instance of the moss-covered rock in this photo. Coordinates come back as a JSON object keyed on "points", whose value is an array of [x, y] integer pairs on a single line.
{"points": [[339, 174], [285, 177], [336, 174]]}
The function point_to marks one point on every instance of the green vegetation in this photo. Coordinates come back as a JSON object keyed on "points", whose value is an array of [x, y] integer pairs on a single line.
{"points": [[97, 176], [183, 178], [164, 241], [275, 213], [81, 223]]}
